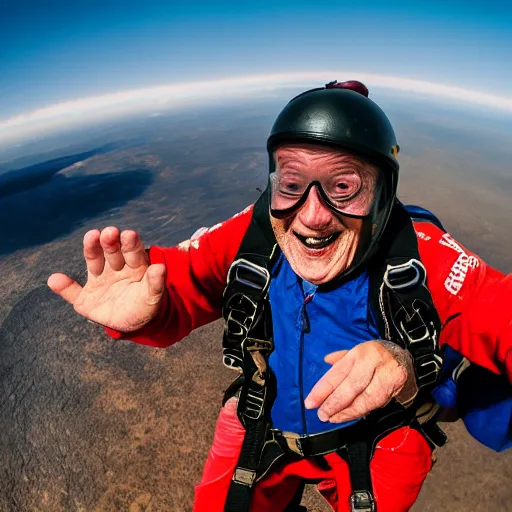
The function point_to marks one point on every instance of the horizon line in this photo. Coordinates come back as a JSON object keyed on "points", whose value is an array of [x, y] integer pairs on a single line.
{"points": [[177, 93]]}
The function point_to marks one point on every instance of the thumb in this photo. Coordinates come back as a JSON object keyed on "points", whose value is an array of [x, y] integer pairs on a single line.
{"points": [[64, 286], [334, 357], [155, 283]]}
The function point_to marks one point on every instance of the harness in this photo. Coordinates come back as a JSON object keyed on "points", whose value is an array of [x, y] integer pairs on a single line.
{"points": [[407, 317]]}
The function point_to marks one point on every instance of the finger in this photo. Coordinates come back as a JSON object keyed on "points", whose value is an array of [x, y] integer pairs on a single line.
{"points": [[154, 279], [111, 245], [132, 249], [93, 253], [355, 383], [329, 382], [334, 357], [64, 286], [375, 396]]}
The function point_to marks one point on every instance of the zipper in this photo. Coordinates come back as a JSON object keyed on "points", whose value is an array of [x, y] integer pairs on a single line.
{"points": [[305, 324], [305, 328]]}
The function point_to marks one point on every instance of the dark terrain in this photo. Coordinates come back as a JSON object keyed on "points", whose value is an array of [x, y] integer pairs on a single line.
{"points": [[92, 424]]}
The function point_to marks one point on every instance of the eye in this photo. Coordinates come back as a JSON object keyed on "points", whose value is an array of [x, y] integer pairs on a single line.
{"points": [[345, 186], [290, 186]]}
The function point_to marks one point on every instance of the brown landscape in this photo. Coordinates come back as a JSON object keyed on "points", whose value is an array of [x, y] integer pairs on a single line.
{"points": [[92, 424]]}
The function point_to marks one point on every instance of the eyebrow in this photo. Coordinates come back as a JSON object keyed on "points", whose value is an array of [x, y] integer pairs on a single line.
{"points": [[348, 168], [336, 158]]}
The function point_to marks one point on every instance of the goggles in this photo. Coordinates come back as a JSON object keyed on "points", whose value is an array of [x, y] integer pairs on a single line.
{"points": [[346, 193]]}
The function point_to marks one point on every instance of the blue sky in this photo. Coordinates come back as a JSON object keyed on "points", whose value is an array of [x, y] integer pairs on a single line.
{"points": [[55, 51]]}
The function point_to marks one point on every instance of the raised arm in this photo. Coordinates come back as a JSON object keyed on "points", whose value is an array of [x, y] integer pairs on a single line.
{"points": [[195, 281], [157, 296]]}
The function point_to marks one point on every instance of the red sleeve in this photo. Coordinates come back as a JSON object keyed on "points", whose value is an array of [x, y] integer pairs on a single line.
{"points": [[196, 277], [473, 299]]}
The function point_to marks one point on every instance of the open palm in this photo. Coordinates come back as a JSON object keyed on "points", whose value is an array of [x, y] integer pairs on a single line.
{"points": [[123, 291]]}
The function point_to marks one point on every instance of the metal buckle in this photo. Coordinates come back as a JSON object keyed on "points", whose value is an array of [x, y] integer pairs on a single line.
{"points": [[244, 476], [242, 306], [362, 501], [245, 282], [293, 442], [404, 276], [424, 337], [428, 368], [414, 328], [257, 345], [238, 322], [249, 275], [231, 360], [254, 403]]}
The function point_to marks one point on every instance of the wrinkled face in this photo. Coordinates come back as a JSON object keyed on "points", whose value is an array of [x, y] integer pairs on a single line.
{"points": [[318, 243]]}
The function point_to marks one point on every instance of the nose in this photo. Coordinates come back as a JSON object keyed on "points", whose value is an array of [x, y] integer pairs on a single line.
{"points": [[314, 213]]}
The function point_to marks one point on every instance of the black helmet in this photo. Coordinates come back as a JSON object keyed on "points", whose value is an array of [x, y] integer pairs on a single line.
{"points": [[336, 115], [342, 115]]}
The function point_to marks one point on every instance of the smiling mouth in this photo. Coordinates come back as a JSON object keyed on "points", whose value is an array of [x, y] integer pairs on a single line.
{"points": [[312, 242]]}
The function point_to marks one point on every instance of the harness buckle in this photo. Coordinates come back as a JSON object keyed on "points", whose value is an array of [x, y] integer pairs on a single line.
{"points": [[232, 360], [413, 337], [293, 442], [247, 284], [405, 276], [362, 501], [255, 401], [428, 369], [248, 276], [244, 476], [242, 312]]}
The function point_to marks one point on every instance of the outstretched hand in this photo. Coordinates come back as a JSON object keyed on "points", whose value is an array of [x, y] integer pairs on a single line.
{"points": [[361, 380], [123, 291]]}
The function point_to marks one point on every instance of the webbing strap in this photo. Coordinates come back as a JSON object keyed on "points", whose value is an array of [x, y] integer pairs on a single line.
{"points": [[408, 315], [247, 344], [240, 490], [358, 458], [411, 319]]}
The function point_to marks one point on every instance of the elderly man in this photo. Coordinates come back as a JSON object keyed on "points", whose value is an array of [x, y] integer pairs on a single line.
{"points": [[329, 321]]}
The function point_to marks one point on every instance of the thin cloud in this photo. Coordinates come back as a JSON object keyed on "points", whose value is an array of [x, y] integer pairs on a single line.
{"points": [[63, 115]]}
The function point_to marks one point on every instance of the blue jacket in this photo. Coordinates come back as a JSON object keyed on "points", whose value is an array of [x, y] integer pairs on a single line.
{"points": [[309, 324]]}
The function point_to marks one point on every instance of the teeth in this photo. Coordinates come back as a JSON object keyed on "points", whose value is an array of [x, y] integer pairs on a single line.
{"points": [[315, 241]]}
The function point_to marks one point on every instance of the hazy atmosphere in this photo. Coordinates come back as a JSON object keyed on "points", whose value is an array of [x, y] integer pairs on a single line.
{"points": [[154, 116]]}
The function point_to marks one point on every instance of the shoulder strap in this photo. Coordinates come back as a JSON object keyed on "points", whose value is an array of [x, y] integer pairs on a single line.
{"points": [[247, 285], [398, 289], [247, 344], [259, 242]]}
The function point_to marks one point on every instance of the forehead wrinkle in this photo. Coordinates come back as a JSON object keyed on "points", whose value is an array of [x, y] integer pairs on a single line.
{"points": [[304, 155]]}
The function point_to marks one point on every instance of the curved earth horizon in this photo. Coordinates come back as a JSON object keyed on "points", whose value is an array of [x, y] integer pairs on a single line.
{"points": [[170, 96]]}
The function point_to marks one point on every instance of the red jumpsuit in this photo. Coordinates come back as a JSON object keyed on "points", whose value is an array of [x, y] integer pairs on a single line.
{"points": [[472, 300]]}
